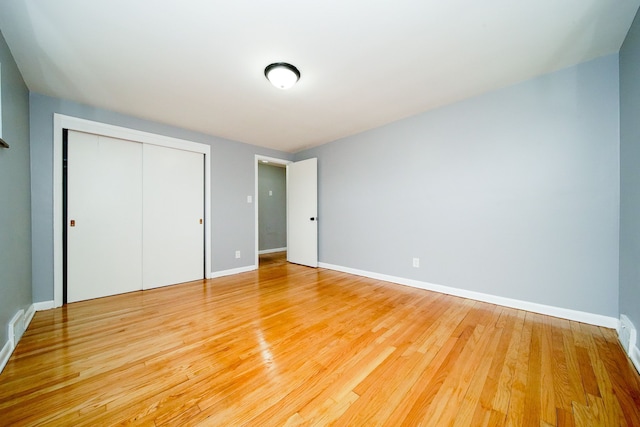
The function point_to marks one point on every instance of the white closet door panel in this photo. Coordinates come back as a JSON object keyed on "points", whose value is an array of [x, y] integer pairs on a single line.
{"points": [[173, 206], [104, 190]]}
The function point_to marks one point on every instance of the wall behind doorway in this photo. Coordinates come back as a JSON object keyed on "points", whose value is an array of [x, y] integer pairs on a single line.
{"points": [[272, 205]]}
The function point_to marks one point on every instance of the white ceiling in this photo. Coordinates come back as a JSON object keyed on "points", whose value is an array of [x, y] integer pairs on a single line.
{"points": [[198, 64]]}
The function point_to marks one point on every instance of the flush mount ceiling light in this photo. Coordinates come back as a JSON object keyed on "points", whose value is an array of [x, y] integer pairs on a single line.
{"points": [[282, 75]]}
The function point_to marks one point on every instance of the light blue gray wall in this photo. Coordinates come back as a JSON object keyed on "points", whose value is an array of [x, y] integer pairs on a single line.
{"points": [[232, 180], [15, 201], [272, 216], [513, 193], [630, 174]]}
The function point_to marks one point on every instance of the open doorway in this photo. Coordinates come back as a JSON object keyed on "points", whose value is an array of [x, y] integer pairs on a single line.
{"points": [[271, 208], [301, 210]]}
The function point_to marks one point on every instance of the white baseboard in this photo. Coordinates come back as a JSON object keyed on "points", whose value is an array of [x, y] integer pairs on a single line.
{"points": [[628, 336], [565, 313], [5, 354], [10, 345], [28, 316], [44, 305], [16, 328], [222, 273], [270, 251], [635, 358]]}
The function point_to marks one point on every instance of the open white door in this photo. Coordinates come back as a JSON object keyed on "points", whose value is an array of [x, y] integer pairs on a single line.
{"points": [[302, 212]]}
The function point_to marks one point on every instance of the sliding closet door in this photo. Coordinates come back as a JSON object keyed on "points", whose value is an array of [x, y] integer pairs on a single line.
{"points": [[173, 226], [104, 216]]}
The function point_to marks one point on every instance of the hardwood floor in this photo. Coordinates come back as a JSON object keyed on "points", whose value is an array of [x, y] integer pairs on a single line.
{"points": [[290, 345]]}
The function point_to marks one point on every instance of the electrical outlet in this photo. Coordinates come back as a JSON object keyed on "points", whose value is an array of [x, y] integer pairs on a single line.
{"points": [[237, 254], [416, 262]]}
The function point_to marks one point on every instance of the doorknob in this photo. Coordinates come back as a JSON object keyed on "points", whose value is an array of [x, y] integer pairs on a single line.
{"points": [[314, 218], [73, 223]]}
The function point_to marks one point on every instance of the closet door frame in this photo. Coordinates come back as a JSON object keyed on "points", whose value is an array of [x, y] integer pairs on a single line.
{"points": [[61, 122]]}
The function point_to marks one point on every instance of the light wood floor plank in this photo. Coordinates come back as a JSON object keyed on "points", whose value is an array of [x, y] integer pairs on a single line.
{"points": [[520, 389], [288, 345], [486, 395]]}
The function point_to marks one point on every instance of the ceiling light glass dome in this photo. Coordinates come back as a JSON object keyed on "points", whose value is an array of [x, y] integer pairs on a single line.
{"points": [[282, 75]]}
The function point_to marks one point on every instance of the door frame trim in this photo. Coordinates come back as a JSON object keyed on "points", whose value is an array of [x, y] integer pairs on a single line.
{"points": [[258, 159], [61, 122]]}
